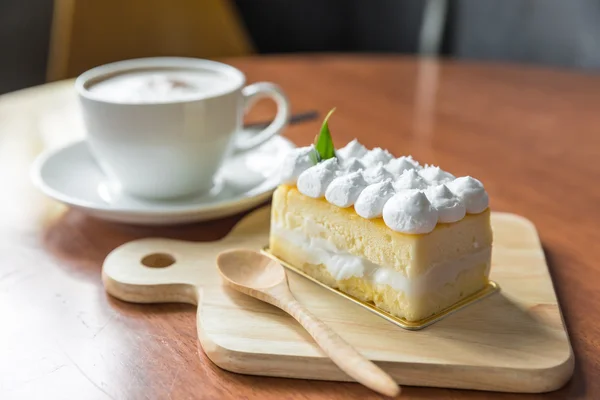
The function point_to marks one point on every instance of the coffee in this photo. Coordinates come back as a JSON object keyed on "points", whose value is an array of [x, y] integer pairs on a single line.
{"points": [[161, 85], [161, 127]]}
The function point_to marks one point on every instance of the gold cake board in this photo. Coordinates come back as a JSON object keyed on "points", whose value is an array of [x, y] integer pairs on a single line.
{"points": [[513, 341]]}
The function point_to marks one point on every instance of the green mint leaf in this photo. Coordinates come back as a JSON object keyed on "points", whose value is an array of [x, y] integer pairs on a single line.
{"points": [[323, 142]]}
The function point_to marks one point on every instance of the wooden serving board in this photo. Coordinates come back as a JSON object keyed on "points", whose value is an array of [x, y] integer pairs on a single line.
{"points": [[512, 341]]}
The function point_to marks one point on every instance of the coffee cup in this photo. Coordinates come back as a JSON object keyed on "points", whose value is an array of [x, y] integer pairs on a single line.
{"points": [[161, 127]]}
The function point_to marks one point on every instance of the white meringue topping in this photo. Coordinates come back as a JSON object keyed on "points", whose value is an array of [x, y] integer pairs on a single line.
{"points": [[295, 163], [352, 149], [371, 200], [410, 212], [314, 181], [344, 190], [410, 179], [471, 192], [411, 199], [376, 156], [377, 174], [397, 166], [449, 207], [352, 164], [435, 175]]}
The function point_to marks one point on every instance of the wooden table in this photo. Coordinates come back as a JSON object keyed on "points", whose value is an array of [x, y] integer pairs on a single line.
{"points": [[531, 135]]}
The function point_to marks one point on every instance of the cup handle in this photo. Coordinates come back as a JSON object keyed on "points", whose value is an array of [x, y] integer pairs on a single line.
{"points": [[253, 93]]}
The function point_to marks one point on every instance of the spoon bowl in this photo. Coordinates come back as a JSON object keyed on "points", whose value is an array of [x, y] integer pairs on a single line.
{"points": [[250, 269]]}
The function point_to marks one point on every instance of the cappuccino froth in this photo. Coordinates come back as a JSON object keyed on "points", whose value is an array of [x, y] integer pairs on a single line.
{"points": [[161, 85]]}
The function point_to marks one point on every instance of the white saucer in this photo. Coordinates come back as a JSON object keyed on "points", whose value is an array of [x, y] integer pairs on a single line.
{"points": [[71, 176]]}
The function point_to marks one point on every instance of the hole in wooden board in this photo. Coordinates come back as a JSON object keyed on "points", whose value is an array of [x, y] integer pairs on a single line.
{"points": [[158, 260]]}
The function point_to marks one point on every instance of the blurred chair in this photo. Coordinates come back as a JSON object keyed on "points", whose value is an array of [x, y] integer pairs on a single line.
{"points": [[550, 32], [375, 26], [87, 33]]}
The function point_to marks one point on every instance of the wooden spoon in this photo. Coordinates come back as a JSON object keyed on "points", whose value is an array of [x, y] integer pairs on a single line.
{"points": [[259, 276]]}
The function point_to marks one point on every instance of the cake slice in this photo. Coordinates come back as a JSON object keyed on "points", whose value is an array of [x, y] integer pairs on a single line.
{"points": [[412, 240], [409, 276]]}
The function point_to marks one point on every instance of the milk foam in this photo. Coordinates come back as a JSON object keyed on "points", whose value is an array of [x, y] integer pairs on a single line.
{"points": [[161, 85]]}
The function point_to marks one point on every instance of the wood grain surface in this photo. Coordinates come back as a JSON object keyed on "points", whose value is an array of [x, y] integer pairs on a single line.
{"points": [[501, 343], [531, 135]]}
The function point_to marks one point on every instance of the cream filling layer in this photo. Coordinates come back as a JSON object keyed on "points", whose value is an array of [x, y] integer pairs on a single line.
{"points": [[343, 265]]}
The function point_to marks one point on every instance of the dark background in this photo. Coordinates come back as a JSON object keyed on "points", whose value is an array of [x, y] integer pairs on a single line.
{"points": [[559, 33]]}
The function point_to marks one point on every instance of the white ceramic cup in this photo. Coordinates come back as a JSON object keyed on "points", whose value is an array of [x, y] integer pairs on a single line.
{"points": [[170, 149]]}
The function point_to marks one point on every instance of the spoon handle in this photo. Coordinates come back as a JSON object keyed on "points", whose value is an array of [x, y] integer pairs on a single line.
{"points": [[341, 353]]}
